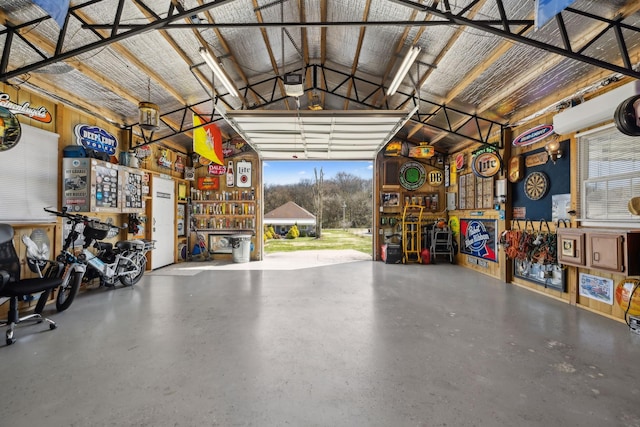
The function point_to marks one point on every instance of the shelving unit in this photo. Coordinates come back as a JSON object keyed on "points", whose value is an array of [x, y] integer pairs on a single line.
{"points": [[222, 214], [229, 215]]}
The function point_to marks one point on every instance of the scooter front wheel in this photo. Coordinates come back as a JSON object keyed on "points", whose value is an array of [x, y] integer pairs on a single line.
{"points": [[140, 262], [67, 292]]}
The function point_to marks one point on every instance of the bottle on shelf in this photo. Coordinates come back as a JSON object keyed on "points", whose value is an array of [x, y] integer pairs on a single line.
{"points": [[230, 177]]}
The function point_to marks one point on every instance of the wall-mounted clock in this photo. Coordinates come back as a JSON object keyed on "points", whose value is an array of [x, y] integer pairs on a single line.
{"points": [[536, 185]]}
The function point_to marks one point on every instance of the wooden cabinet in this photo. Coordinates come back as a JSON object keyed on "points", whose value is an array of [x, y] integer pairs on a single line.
{"points": [[606, 250], [571, 247]]}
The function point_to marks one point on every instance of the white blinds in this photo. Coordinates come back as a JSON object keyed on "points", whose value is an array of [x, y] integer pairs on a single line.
{"points": [[609, 174], [29, 177]]}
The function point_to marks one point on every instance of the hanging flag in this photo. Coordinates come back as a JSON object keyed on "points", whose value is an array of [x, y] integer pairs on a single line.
{"points": [[547, 9], [57, 9], [207, 140]]}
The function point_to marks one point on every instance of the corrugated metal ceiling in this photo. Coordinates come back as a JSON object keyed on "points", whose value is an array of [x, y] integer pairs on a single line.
{"points": [[347, 59]]}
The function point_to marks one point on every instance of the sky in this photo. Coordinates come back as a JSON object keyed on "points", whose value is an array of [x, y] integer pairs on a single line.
{"points": [[284, 172]]}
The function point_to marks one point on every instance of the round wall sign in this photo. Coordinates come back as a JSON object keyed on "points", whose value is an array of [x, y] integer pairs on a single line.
{"points": [[412, 175], [486, 164], [10, 130], [435, 178], [536, 185]]}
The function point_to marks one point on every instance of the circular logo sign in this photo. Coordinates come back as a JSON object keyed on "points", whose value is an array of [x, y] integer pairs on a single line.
{"points": [[486, 164], [412, 175], [435, 178], [10, 130]]}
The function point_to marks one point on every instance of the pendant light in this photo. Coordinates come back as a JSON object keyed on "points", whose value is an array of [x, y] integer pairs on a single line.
{"points": [[148, 112]]}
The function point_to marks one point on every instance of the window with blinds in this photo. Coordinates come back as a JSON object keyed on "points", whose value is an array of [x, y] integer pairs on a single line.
{"points": [[609, 174], [29, 177]]}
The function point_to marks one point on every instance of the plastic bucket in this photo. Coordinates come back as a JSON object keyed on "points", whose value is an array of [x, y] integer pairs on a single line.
{"points": [[241, 247]]}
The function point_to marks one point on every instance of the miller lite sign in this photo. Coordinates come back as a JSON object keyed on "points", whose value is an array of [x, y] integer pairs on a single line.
{"points": [[486, 162], [243, 173]]}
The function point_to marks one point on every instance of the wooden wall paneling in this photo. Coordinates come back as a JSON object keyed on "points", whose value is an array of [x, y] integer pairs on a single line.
{"points": [[572, 272], [506, 272]]}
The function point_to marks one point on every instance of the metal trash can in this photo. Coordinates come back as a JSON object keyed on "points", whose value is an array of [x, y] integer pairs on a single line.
{"points": [[241, 247]]}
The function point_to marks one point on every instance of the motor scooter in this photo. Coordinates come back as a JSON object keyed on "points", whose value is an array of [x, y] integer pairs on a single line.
{"points": [[125, 262]]}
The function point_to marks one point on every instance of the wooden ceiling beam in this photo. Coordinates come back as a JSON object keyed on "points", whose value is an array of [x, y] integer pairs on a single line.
{"points": [[305, 44], [127, 55], [379, 97], [227, 49], [50, 89], [599, 77], [452, 41], [552, 60], [356, 57], [525, 78], [323, 45], [176, 47], [78, 65], [267, 43]]}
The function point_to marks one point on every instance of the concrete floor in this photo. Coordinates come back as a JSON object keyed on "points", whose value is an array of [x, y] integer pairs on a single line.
{"points": [[353, 344]]}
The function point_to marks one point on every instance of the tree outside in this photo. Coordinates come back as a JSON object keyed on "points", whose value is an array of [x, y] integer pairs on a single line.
{"points": [[345, 188]]}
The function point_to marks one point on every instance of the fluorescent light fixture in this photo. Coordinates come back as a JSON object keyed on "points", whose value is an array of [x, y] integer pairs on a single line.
{"points": [[219, 72], [408, 60]]}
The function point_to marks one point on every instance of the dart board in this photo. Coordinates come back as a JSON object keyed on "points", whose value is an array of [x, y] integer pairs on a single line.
{"points": [[536, 185]]}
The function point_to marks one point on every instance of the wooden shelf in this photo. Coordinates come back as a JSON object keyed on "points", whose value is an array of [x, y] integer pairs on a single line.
{"points": [[225, 231], [225, 215], [222, 201]]}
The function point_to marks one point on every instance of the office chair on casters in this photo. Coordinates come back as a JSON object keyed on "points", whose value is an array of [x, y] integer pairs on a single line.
{"points": [[13, 288]]}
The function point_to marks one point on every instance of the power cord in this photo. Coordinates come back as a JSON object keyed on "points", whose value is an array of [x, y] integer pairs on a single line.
{"points": [[626, 312]]}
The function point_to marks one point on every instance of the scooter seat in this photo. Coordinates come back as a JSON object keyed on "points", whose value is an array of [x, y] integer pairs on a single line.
{"points": [[130, 245], [103, 246]]}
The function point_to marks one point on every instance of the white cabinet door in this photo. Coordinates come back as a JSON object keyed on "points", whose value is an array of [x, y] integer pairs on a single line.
{"points": [[162, 221]]}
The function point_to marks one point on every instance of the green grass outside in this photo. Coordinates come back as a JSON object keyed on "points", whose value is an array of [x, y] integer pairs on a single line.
{"points": [[331, 239]]}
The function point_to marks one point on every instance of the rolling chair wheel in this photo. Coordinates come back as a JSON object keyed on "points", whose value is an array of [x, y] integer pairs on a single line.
{"points": [[52, 326], [10, 338]]}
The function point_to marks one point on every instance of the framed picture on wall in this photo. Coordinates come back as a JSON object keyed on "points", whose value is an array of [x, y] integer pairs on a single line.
{"points": [[390, 199], [597, 288]]}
